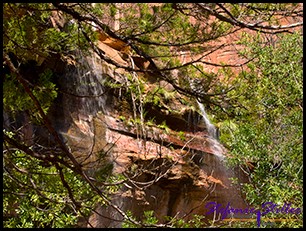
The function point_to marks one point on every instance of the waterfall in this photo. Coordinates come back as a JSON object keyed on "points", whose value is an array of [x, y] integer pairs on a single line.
{"points": [[212, 132], [211, 129], [85, 83], [91, 85], [83, 99]]}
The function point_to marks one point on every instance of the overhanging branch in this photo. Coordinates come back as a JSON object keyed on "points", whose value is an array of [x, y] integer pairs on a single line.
{"points": [[252, 26]]}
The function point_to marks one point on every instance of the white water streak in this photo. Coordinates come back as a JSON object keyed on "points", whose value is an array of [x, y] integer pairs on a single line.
{"points": [[212, 132], [211, 129], [89, 82]]}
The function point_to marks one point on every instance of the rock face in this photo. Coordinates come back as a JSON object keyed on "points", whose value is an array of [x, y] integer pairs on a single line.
{"points": [[177, 181], [175, 168]]}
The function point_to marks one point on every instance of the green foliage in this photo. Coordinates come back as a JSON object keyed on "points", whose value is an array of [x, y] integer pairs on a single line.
{"points": [[182, 136], [122, 118], [34, 195], [150, 220], [157, 26], [135, 87], [28, 34], [164, 126], [151, 122], [104, 171], [127, 223], [159, 96], [270, 130], [227, 130], [136, 121], [18, 100]]}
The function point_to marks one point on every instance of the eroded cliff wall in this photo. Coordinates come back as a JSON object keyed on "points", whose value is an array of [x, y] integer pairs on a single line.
{"points": [[173, 165]]}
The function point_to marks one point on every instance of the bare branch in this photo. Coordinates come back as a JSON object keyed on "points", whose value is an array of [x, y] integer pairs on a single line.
{"points": [[255, 26], [77, 168]]}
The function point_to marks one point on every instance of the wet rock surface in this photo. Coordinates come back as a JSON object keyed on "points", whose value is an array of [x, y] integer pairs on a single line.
{"points": [[174, 170]]}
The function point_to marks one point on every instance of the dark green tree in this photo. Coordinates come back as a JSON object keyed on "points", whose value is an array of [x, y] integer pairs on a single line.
{"points": [[269, 131]]}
